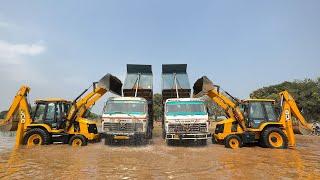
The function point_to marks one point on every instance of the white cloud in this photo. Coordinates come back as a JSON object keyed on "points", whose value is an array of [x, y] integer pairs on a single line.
{"points": [[14, 53]]}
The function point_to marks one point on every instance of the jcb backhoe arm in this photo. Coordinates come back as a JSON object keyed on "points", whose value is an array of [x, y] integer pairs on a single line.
{"points": [[18, 116], [81, 105], [204, 86], [288, 108]]}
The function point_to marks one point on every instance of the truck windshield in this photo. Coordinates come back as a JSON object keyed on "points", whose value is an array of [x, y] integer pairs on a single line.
{"points": [[186, 108], [125, 107]]}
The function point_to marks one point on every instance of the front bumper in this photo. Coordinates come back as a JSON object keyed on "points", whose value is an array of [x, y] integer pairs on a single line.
{"points": [[194, 136], [93, 137]]}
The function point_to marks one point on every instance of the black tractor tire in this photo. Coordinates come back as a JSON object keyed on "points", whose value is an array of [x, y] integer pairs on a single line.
{"points": [[78, 140], [44, 137], [274, 137], [233, 141]]}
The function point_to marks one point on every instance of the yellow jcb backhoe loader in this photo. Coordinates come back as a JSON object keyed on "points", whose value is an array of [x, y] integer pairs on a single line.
{"points": [[57, 120], [253, 120]]}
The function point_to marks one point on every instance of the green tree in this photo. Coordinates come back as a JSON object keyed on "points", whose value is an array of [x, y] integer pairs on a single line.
{"points": [[157, 107]]}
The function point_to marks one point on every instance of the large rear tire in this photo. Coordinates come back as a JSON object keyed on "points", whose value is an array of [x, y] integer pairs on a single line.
{"points": [[275, 138], [36, 137]]}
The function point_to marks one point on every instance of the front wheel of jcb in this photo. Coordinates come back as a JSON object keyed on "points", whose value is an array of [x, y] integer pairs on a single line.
{"points": [[78, 140], [233, 141]]}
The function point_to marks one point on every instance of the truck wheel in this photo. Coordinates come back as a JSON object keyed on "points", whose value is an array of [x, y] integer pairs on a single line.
{"points": [[274, 137], [108, 140], [213, 140], [35, 137], [78, 140], [233, 141], [203, 142], [170, 142]]}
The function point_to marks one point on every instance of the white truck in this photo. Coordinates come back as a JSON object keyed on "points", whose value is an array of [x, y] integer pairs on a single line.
{"points": [[131, 117], [125, 118], [186, 119]]}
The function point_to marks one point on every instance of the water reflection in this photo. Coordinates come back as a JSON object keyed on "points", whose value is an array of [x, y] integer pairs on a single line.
{"points": [[158, 161]]}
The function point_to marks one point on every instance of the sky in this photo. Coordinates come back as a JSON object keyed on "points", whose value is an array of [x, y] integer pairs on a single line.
{"points": [[59, 48]]}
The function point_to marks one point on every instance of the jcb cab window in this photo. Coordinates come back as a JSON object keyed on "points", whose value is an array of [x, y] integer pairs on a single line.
{"points": [[39, 114], [256, 111]]}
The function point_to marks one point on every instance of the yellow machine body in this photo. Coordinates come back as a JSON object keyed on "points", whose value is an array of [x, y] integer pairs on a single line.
{"points": [[247, 123], [55, 119]]}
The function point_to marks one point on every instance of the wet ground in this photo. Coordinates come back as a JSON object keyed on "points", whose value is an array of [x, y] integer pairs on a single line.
{"points": [[158, 161]]}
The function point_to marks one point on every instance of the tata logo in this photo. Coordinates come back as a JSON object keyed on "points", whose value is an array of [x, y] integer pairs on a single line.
{"points": [[122, 126], [187, 127]]}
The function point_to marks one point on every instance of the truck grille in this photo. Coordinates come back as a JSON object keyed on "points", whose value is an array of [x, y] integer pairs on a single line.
{"points": [[123, 127], [202, 127]]}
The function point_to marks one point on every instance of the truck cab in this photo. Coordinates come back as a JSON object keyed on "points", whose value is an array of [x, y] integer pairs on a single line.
{"points": [[125, 118], [186, 119]]}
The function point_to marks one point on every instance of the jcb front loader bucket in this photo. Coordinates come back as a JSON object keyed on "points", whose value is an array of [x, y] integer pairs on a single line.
{"points": [[111, 83], [202, 86]]}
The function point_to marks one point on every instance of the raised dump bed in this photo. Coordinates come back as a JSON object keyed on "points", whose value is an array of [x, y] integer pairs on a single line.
{"points": [[175, 81], [139, 83]]}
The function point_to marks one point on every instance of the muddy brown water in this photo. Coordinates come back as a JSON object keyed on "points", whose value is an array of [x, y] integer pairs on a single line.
{"points": [[158, 161]]}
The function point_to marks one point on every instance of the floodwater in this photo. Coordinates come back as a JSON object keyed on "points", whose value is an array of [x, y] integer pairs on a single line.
{"points": [[158, 161]]}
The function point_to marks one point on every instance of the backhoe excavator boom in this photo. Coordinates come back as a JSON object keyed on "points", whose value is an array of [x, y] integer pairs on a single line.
{"points": [[289, 107], [19, 105]]}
